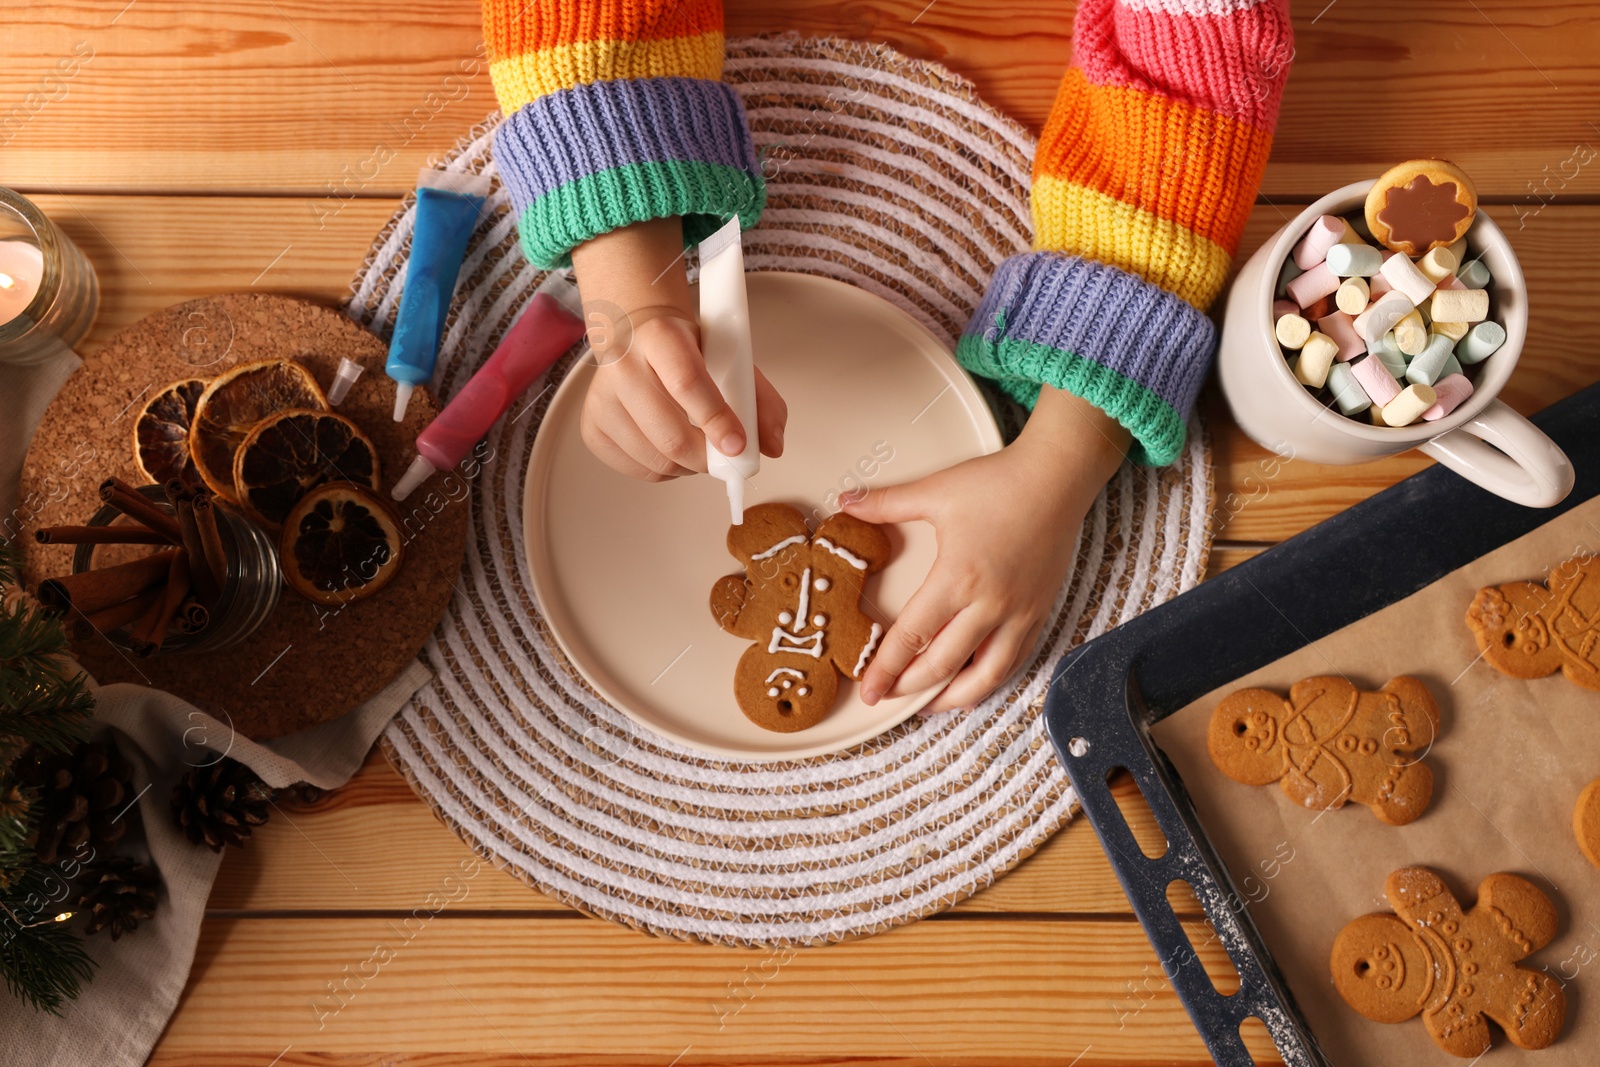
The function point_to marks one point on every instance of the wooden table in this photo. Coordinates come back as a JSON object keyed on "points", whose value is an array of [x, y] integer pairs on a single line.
{"points": [[199, 147]]}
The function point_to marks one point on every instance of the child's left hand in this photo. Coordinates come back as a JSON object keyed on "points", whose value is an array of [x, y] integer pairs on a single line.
{"points": [[1006, 525]]}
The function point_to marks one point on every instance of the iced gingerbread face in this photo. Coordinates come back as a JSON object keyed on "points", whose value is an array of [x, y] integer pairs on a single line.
{"points": [[1511, 632], [799, 602]]}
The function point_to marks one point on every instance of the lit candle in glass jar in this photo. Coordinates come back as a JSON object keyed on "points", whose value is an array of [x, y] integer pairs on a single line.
{"points": [[21, 268], [48, 290]]}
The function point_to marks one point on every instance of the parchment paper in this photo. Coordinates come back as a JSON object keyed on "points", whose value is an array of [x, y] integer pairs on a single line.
{"points": [[1508, 764]]}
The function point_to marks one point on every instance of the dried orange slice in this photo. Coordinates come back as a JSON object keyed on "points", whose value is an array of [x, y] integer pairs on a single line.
{"points": [[232, 405], [293, 452], [161, 433], [340, 543]]}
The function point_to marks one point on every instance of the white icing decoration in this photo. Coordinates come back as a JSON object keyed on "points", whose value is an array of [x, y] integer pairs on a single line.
{"points": [[786, 670], [785, 617], [821, 585], [797, 539], [786, 683], [772, 692], [819, 620], [843, 553], [783, 641], [804, 690], [866, 653], [805, 601]]}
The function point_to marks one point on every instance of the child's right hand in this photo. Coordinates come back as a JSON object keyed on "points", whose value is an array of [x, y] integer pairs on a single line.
{"points": [[652, 406]]}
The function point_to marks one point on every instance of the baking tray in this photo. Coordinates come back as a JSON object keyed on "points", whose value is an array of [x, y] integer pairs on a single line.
{"points": [[1106, 694]]}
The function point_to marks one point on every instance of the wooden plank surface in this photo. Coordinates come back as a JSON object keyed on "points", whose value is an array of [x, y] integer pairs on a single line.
{"points": [[999, 991], [341, 100]]}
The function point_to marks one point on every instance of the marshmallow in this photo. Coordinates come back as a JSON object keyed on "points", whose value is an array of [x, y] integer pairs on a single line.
{"points": [[1381, 317], [1451, 391], [1405, 277], [1352, 296], [1406, 408], [1429, 365], [1316, 356], [1439, 264], [1461, 305], [1410, 334], [1452, 365], [1389, 353], [1280, 308], [1292, 330], [1341, 328], [1354, 261], [1286, 274], [1313, 247], [1453, 330], [1375, 379], [1474, 274], [1347, 392], [1313, 285], [1377, 285], [1481, 342]]}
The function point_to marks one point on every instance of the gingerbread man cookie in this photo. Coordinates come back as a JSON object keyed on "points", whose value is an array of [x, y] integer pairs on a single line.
{"points": [[1586, 822], [799, 601], [1330, 742], [1454, 967], [1529, 630], [1421, 204]]}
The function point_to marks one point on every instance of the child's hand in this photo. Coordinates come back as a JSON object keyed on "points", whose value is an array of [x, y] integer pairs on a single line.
{"points": [[1006, 526], [652, 406]]}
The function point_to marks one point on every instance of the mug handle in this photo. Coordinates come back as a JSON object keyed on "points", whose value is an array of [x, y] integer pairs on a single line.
{"points": [[1524, 466]]}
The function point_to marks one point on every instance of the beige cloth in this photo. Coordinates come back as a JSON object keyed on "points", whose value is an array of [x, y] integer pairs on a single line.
{"points": [[125, 1006]]}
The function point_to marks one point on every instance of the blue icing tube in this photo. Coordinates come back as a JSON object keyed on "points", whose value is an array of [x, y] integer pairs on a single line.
{"points": [[447, 212]]}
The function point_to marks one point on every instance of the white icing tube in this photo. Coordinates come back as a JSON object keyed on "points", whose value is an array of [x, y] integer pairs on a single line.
{"points": [[725, 340]]}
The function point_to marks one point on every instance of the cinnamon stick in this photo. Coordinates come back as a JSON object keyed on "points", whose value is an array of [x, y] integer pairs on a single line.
{"points": [[213, 555], [93, 590], [152, 627], [107, 619], [193, 616], [128, 500], [189, 531], [126, 534]]}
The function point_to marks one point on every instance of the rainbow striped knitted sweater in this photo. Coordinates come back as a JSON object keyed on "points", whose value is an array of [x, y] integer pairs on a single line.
{"points": [[1145, 174]]}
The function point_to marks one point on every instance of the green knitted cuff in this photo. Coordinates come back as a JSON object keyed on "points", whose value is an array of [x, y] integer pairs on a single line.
{"points": [[1018, 367], [706, 195]]}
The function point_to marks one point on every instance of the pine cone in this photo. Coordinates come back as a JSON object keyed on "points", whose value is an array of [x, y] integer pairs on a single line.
{"points": [[117, 893], [217, 805], [82, 795]]}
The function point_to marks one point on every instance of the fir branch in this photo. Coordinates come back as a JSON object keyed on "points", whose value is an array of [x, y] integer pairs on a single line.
{"points": [[54, 716], [44, 962]]}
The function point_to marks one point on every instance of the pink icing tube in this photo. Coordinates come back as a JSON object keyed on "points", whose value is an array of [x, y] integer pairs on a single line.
{"points": [[546, 329]]}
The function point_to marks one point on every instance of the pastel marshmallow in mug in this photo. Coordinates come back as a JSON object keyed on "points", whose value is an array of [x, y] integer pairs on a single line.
{"points": [[1381, 317], [1375, 379]]}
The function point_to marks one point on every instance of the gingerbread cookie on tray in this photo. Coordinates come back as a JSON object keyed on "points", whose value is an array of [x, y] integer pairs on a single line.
{"points": [[1455, 968], [1529, 630], [1329, 743], [799, 600]]}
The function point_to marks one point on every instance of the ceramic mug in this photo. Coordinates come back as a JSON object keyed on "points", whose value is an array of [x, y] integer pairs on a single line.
{"points": [[1483, 439]]}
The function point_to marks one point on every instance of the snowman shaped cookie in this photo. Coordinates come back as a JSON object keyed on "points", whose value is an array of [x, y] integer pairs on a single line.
{"points": [[799, 602]]}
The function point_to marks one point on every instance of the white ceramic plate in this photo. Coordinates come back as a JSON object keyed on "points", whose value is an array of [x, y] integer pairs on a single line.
{"points": [[623, 569]]}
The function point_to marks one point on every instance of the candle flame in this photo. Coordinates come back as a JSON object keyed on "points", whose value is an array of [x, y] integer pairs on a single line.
{"points": [[6, 281]]}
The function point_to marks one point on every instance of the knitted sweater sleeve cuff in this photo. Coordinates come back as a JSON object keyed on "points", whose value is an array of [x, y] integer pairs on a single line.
{"points": [[589, 159], [1133, 349]]}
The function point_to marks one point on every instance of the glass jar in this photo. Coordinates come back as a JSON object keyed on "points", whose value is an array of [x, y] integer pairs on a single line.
{"points": [[249, 592], [49, 294]]}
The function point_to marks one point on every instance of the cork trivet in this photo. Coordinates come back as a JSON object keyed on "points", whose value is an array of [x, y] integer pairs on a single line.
{"points": [[306, 664]]}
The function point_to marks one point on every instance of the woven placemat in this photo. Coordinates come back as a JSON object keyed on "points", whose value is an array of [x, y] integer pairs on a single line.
{"points": [[889, 174]]}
